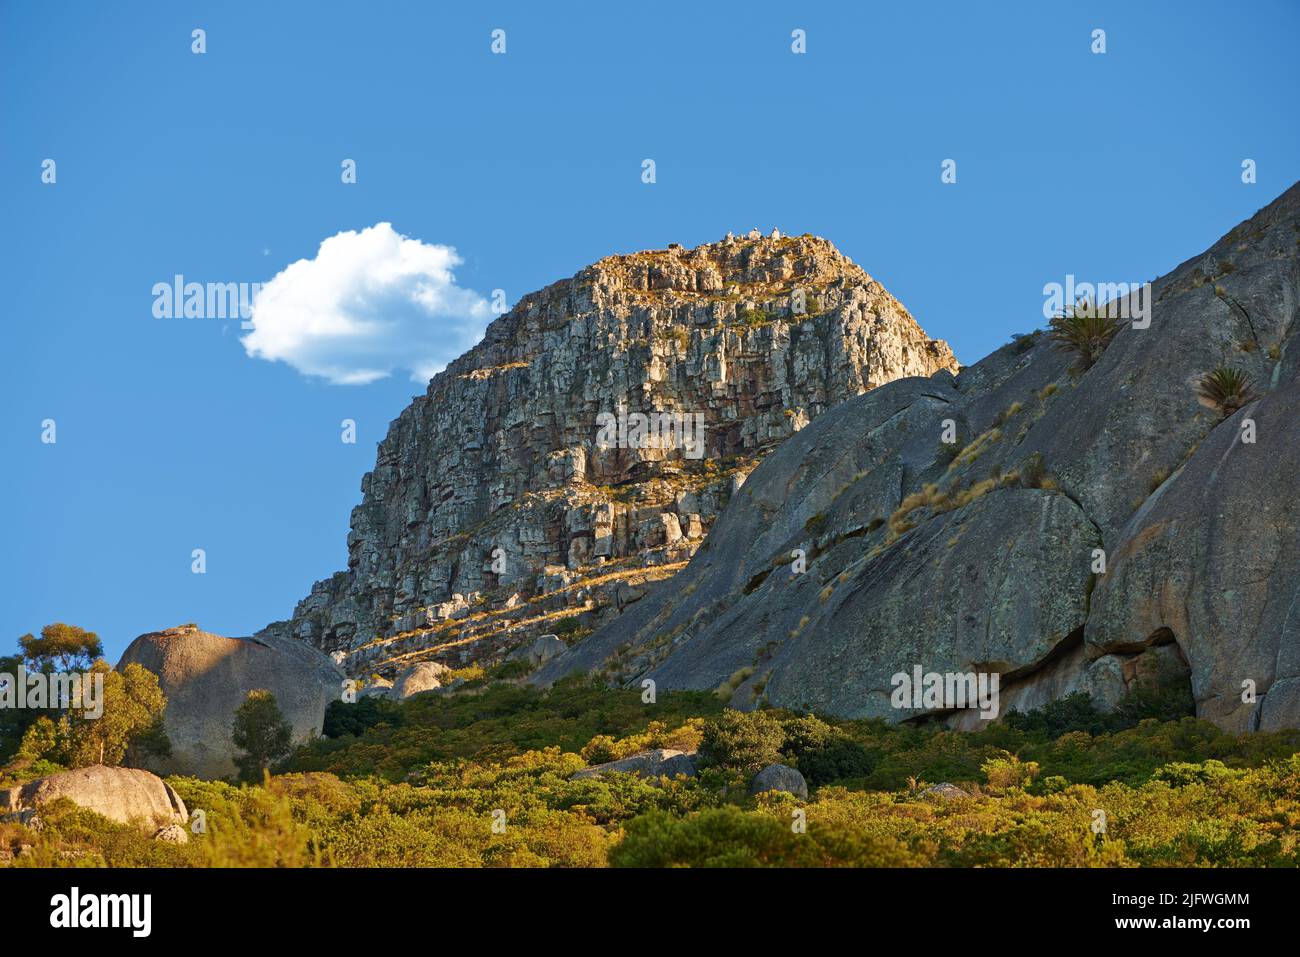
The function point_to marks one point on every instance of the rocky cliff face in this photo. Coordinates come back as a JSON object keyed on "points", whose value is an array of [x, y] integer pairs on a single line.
{"points": [[1088, 528], [498, 509]]}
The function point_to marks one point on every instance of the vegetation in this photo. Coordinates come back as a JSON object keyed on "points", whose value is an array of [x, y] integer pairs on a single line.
{"points": [[420, 783], [1084, 331], [261, 734], [126, 730], [62, 648], [1227, 389]]}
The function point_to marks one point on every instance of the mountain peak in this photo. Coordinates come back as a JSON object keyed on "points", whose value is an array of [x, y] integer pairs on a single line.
{"points": [[521, 488]]}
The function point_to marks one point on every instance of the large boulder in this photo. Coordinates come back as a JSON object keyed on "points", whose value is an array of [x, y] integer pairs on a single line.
{"points": [[538, 652], [206, 677], [779, 777], [426, 676], [1212, 561], [125, 795]]}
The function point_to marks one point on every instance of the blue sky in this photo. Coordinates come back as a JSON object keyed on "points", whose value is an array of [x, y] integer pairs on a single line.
{"points": [[225, 167]]}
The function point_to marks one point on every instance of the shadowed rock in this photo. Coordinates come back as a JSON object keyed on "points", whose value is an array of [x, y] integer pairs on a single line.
{"points": [[206, 677], [779, 777]]}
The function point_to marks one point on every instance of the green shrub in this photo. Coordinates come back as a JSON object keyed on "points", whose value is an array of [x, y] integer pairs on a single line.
{"points": [[742, 741], [342, 718], [839, 759], [1226, 389], [1084, 331]]}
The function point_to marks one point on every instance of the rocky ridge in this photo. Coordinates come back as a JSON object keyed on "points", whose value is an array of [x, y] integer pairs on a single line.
{"points": [[493, 514], [980, 556]]}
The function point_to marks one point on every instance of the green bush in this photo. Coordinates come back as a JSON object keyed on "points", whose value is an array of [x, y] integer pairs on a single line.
{"points": [[357, 718], [742, 741], [839, 759]]}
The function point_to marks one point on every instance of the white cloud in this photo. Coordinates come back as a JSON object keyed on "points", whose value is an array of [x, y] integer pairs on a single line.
{"points": [[371, 302]]}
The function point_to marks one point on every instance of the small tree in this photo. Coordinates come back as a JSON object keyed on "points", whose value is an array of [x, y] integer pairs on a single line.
{"points": [[261, 733], [14, 722], [128, 728], [61, 647]]}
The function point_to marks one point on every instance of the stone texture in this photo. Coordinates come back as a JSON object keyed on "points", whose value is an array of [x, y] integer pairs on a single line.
{"points": [[172, 834], [491, 508], [124, 795], [376, 688], [540, 651], [1213, 560], [659, 762], [206, 677], [943, 791], [779, 777], [426, 676], [965, 559]]}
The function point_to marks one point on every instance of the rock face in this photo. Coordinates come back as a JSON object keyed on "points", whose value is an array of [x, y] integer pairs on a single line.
{"points": [[500, 503], [207, 677], [125, 795], [659, 762], [1086, 530]]}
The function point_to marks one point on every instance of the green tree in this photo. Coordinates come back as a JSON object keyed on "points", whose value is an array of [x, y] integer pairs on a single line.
{"points": [[261, 733], [127, 728], [742, 741], [14, 722], [61, 648]]}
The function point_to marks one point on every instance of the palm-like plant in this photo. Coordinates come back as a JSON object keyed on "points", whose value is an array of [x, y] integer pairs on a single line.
{"points": [[1226, 389], [1084, 330]]}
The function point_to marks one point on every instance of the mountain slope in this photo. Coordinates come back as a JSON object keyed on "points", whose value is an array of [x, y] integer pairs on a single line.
{"points": [[494, 513], [980, 557]]}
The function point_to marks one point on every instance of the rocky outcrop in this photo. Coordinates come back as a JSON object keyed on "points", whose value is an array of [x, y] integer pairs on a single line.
{"points": [[124, 795], [539, 652], [1086, 528], [207, 677], [943, 791], [1213, 561], [659, 762], [425, 676], [497, 509]]}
